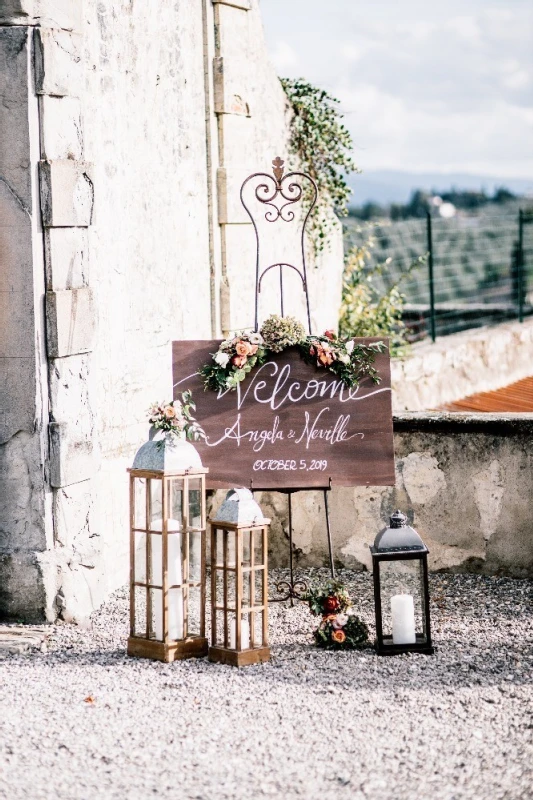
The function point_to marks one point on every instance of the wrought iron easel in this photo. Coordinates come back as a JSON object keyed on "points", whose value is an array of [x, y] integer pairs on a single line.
{"points": [[279, 193]]}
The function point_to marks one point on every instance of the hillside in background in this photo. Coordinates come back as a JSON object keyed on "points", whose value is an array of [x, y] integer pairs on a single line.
{"points": [[395, 186]]}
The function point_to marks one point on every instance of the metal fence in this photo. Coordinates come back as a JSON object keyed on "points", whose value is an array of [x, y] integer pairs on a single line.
{"points": [[478, 269]]}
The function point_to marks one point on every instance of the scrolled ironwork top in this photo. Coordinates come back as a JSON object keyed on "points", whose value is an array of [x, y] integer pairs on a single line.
{"points": [[279, 192]]}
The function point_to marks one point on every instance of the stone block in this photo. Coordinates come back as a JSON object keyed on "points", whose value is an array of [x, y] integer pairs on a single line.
{"points": [[243, 4], [17, 396], [71, 455], [230, 92], [58, 63], [72, 506], [237, 141], [61, 128], [70, 322], [66, 258], [230, 208], [22, 590], [67, 195], [69, 392], [15, 162], [232, 32], [46, 13], [17, 339]]}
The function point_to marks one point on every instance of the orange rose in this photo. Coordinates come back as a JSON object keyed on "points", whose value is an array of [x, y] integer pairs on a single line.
{"points": [[239, 361], [338, 636], [243, 348]]}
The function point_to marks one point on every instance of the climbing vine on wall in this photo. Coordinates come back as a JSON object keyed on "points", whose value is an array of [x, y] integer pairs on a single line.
{"points": [[323, 147]]}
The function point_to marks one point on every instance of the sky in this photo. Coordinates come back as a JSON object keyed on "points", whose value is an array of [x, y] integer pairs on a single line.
{"points": [[424, 86]]}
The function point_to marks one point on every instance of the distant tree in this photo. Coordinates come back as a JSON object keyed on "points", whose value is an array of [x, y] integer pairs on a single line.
{"points": [[502, 195]]}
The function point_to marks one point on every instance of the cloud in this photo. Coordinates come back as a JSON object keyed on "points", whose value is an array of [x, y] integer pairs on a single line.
{"points": [[421, 84]]}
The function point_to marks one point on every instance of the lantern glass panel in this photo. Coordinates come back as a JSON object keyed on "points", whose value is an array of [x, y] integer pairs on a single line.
{"points": [[175, 614], [258, 587], [258, 629], [139, 600], [194, 610], [175, 499], [259, 556], [401, 577], [155, 507], [195, 502], [156, 616], [246, 548], [156, 559], [140, 556], [195, 556], [139, 488]]}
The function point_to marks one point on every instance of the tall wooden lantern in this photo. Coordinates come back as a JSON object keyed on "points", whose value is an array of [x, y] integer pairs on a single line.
{"points": [[401, 590], [168, 551], [239, 581]]}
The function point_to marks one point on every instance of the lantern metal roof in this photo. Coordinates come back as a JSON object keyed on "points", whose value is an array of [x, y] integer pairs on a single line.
{"points": [[166, 452], [398, 537], [240, 508]]}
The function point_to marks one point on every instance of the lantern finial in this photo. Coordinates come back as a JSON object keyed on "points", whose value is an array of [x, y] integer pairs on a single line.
{"points": [[398, 520]]}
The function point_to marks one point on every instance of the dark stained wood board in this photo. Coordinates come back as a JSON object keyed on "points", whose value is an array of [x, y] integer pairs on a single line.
{"points": [[290, 425]]}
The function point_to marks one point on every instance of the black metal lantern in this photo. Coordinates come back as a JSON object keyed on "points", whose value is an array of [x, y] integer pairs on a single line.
{"points": [[401, 591]]}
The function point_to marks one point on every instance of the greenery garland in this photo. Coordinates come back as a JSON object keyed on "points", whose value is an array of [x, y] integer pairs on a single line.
{"points": [[323, 147], [244, 351]]}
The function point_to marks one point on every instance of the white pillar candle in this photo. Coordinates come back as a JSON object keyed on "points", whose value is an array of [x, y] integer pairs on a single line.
{"points": [[245, 634], [174, 553], [175, 596], [403, 619]]}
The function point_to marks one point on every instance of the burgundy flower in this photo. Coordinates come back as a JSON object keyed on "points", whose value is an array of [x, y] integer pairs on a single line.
{"points": [[331, 605]]}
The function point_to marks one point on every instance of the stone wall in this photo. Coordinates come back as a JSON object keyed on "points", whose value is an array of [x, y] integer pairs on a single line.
{"points": [[456, 366], [126, 132], [465, 481]]}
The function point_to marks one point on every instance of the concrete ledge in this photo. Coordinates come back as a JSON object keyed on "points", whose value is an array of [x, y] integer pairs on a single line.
{"points": [[459, 423]]}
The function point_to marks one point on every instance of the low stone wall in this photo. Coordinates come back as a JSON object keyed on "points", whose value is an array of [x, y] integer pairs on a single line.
{"points": [[464, 363], [465, 481]]}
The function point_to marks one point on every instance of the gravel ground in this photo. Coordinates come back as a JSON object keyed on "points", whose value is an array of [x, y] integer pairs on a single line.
{"points": [[84, 721]]}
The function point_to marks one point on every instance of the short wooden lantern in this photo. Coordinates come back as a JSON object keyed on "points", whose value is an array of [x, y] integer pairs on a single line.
{"points": [[168, 553], [401, 590], [239, 582]]}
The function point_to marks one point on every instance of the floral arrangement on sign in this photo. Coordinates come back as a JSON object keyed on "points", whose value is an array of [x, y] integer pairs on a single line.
{"points": [[243, 351], [340, 628], [176, 418]]}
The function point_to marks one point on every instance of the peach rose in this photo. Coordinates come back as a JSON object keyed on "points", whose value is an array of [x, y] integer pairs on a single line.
{"points": [[253, 349], [239, 361], [324, 355], [170, 412], [338, 636], [243, 348]]}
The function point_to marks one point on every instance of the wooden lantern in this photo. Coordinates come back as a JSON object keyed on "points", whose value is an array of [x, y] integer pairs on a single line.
{"points": [[168, 552], [239, 582], [401, 590]]}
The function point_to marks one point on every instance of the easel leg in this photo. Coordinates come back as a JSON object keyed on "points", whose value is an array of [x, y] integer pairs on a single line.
{"points": [[330, 547], [291, 569]]}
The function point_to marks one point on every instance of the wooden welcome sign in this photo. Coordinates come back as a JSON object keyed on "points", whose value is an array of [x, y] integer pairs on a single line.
{"points": [[289, 425]]}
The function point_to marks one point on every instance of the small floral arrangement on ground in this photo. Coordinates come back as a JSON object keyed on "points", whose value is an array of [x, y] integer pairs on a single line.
{"points": [[340, 628], [176, 417], [243, 351]]}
